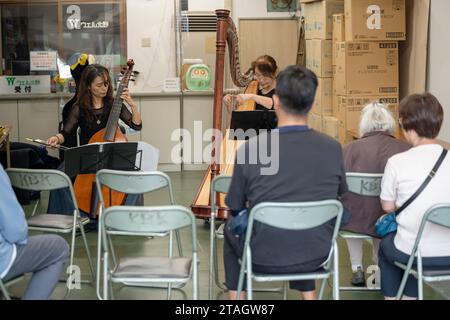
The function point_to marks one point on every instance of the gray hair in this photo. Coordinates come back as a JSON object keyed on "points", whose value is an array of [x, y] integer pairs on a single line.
{"points": [[376, 117]]}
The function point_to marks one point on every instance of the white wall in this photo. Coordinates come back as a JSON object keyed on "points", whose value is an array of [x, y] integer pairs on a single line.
{"points": [[154, 19], [439, 60], [253, 9], [151, 19], [206, 5]]}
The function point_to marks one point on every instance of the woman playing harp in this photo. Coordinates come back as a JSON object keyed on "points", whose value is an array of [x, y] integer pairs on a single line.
{"points": [[264, 69], [258, 96]]}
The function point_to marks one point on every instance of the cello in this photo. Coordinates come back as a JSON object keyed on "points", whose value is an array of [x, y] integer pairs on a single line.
{"points": [[223, 155], [85, 183]]}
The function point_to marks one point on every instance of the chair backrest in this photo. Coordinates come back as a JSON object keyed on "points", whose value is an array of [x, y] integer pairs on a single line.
{"points": [[141, 221], [133, 182], [365, 184], [38, 179], [438, 214], [296, 216], [220, 184]]}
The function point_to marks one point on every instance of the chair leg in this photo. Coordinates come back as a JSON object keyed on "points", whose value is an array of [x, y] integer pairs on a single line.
{"points": [[420, 276], [99, 261], [322, 288], [216, 268], [88, 252], [285, 290], [336, 272], [195, 277], [111, 290], [72, 253], [249, 277], [169, 291], [401, 289], [4, 291], [241, 276], [212, 252], [105, 276], [111, 249], [179, 244]]}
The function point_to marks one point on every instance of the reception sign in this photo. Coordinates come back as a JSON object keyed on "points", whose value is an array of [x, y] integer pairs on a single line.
{"points": [[22, 85]]}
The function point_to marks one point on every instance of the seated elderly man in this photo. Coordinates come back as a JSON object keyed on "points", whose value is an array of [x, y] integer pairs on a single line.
{"points": [[369, 154]]}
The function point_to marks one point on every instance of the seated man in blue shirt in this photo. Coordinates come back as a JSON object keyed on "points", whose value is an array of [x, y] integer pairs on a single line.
{"points": [[42, 255], [309, 168]]}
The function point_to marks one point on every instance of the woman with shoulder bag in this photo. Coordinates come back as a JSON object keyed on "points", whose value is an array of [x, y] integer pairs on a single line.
{"points": [[405, 179]]}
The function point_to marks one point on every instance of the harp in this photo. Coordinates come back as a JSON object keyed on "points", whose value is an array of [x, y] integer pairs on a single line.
{"points": [[223, 150]]}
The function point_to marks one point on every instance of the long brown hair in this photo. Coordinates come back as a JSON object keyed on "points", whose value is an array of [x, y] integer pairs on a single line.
{"points": [[84, 99]]}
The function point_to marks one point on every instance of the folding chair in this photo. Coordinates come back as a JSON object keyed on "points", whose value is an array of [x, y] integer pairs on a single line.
{"points": [[133, 183], [220, 184], [4, 291], [148, 270], [439, 215], [3, 286], [294, 216], [48, 180], [368, 185]]}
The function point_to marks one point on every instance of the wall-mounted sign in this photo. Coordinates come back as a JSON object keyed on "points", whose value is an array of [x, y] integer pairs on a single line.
{"points": [[281, 5], [24, 84], [74, 21], [43, 60]]}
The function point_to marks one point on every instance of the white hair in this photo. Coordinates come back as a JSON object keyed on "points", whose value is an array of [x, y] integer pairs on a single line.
{"points": [[376, 117]]}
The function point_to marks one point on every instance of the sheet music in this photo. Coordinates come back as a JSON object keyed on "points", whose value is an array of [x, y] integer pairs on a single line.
{"points": [[150, 156]]}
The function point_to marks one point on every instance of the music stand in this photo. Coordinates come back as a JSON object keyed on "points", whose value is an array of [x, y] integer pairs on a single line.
{"points": [[91, 158], [247, 124]]}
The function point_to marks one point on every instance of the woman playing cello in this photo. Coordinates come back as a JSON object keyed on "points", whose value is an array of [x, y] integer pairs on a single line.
{"points": [[90, 113]]}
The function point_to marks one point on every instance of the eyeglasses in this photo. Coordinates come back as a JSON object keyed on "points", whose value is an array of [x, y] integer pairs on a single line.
{"points": [[260, 76]]}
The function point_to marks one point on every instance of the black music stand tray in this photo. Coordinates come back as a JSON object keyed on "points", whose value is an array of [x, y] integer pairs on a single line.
{"points": [[247, 124], [91, 158]]}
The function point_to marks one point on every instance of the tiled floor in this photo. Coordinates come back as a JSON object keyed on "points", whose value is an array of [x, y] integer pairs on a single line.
{"points": [[185, 186]]}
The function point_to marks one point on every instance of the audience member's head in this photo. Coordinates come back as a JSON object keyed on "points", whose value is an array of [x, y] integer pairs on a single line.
{"points": [[423, 114], [296, 90], [376, 117]]}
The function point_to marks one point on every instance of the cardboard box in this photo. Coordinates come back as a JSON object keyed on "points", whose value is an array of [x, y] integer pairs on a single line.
{"points": [[338, 34], [375, 20], [335, 105], [331, 127], [350, 107], [334, 54], [323, 102], [318, 57], [367, 68], [319, 18], [315, 121], [338, 27]]}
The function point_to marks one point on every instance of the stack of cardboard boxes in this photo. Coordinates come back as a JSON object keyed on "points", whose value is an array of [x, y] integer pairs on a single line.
{"points": [[318, 34], [364, 62]]}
